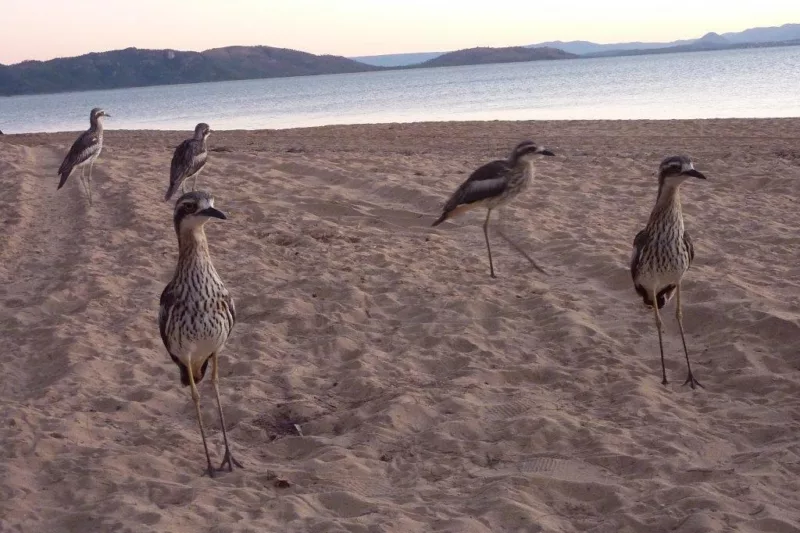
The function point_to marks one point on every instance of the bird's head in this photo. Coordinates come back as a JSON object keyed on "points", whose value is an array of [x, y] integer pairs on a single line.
{"points": [[193, 209], [202, 131], [97, 113], [527, 150], [676, 169]]}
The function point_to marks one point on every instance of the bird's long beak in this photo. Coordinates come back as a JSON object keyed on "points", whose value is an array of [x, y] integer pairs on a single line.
{"points": [[695, 174], [547, 152], [213, 213]]}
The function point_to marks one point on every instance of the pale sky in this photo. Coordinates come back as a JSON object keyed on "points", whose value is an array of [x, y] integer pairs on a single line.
{"points": [[43, 29]]}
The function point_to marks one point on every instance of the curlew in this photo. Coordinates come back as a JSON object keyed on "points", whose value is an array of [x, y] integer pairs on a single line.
{"points": [[188, 160], [663, 251], [197, 313], [494, 185], [84, 151]]}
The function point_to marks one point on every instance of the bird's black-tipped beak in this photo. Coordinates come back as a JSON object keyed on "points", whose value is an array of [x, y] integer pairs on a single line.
{"points": [[695, 174], [547, 152], [213, 213]]}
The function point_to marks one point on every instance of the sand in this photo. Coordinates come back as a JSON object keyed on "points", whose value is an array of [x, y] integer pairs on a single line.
{"points": [[429, 397]]}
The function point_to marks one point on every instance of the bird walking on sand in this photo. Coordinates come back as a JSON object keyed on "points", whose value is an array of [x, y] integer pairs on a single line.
{"points": [[196, 312], [188, 160], [663, 251], [84, 151], [493, 185]]}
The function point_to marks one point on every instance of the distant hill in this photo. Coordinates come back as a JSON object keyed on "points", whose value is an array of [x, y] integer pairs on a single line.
{"points": [[481, 56], [397, 60], [712, 40], [134, 67], [771, 35], [709, 42], [588, 47], [787, 32]]}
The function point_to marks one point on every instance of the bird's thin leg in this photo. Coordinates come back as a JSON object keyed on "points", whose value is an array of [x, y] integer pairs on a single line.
{"points": [[488, 246], [82, 181], [679, 316], [517, 247], [660, 340], [89, 182], [228, 459], [196, 400]]}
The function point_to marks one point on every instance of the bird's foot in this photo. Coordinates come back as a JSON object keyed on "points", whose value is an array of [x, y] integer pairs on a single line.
{"points": [[692, 382], [664, 381], [229, 460], [210, 471]]}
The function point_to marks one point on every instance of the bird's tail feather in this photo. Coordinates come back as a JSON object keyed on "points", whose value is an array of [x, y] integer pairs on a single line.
{"points": [[64, 175], [441, 219], [185, 371], [171, 191]]}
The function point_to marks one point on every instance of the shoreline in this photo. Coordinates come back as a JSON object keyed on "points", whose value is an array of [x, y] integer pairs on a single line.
{"points": [[725, 122]]}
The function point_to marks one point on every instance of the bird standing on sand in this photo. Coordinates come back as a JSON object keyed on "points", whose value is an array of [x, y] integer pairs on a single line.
{"points": [[188, 160], [493, 185], [663, 250], [196, 312], [84, 151]]}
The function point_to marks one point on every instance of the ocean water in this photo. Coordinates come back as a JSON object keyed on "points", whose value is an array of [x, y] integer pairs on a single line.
{"points": [[736, 83]]}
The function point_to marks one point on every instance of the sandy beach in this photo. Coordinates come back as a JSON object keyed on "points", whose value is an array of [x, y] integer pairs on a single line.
{"points": [[428, 396]]}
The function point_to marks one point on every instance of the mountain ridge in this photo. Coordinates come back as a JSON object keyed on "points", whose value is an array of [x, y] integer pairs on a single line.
{"points": [[766, 34], [486, 55], [134, 67]]}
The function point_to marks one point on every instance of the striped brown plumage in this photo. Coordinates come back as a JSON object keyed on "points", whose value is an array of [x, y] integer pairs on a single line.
{"points": [[188, 160], [84, 151], [663, 251], [196, 311], [493, 185]]}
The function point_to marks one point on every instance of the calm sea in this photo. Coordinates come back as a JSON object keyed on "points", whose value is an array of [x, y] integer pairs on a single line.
{"points": [[737, 83]]}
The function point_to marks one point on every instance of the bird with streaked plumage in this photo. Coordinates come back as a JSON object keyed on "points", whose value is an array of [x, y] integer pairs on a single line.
{"points": [[188, 160], [494, 185], [196, 311], [663, 251], [84, 151]]}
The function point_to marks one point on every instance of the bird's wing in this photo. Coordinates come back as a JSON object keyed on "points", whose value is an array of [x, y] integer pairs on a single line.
{"points": [[84, 146], [189, 157], [687, 241], [639, 243], [227, 302], [486, 182], [167, 302]]}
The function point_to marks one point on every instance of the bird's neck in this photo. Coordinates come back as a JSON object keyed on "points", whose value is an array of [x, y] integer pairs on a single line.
{"points": [[192, 251], [97, 124], [525, 166], [668, 207]]}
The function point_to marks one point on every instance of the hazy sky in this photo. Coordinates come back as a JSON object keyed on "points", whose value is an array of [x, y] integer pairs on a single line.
{"points": [[43, 29]]}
